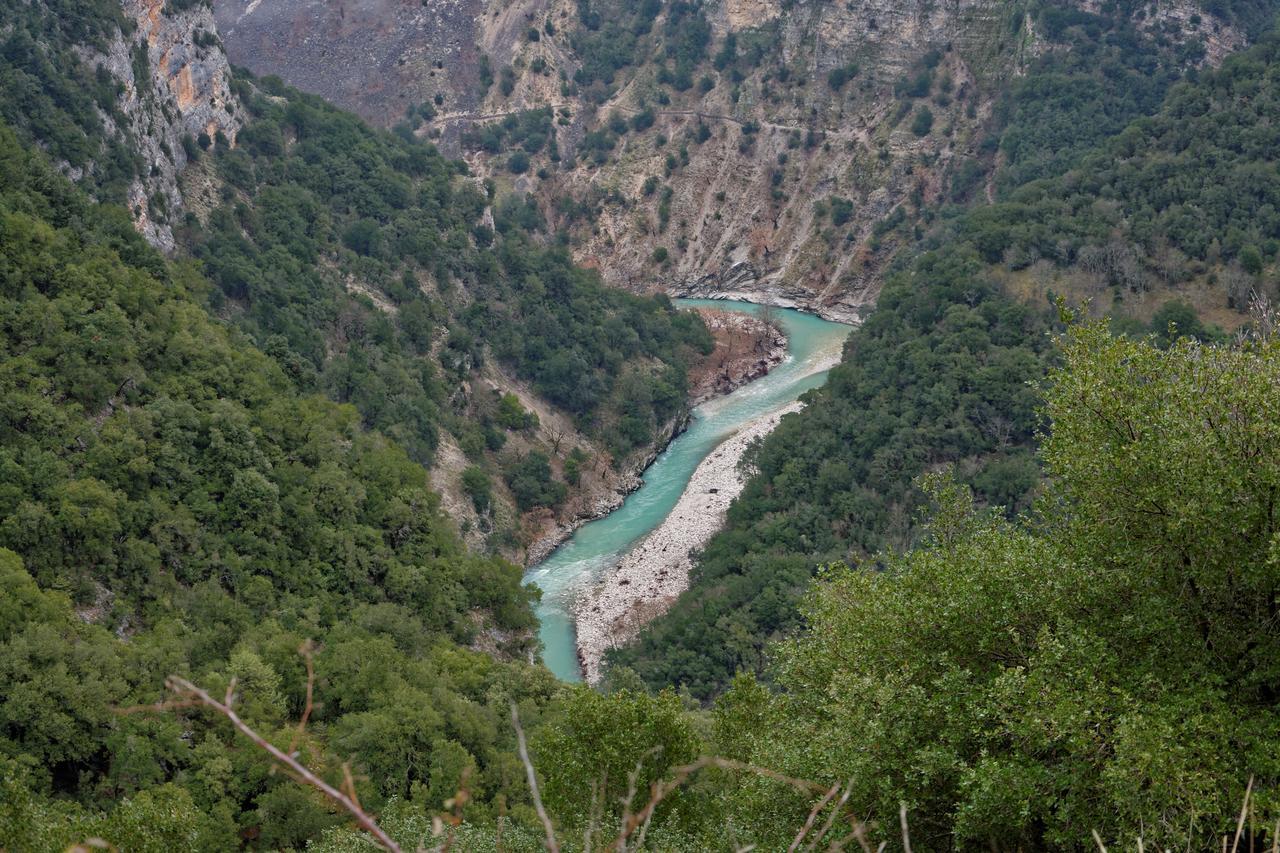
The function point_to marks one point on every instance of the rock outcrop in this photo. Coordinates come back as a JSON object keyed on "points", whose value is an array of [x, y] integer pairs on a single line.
{"points": [[747, 348], [747, 162], [373, 57], [177, 95]]}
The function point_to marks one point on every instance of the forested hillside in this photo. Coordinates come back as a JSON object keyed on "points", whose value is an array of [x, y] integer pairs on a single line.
{"points": [[371, 268], [339, 201], [176, 501], [372, 271], [1172, 218], [171, 505], [1007, 582]]}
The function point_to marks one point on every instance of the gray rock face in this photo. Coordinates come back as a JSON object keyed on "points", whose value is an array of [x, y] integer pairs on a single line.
{"points": [[742, 214], [374, 57], [185, 93], [734, 229]]}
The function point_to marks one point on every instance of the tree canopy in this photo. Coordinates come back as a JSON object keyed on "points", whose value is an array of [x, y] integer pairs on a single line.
{"points": [[171, 504], [1107, 664]]}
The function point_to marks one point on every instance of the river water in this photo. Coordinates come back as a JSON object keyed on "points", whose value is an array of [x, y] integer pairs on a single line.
{"points": [[813, 345]]}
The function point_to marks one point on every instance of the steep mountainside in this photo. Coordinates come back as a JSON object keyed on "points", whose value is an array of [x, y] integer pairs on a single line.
{"points": [[780, 151], [375, 270], [169, 503], [120, 94], [1167, 229], [372, 268], [374, 57]]}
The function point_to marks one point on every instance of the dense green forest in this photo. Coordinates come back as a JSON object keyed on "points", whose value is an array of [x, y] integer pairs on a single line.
{"points": [[361, 261], [1185, 198], [170, 504], [1189, 192], [1102, 73], [1012, 570], [176, 501], [340, 203]]}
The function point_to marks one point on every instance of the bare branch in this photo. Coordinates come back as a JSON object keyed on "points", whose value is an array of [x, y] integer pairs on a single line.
{"points": [[1244, 810], [349, 784], [620, 843], [859, 834], [831, 818], [593, 819], [680, 775], [813, 817], [552, 844], [305, 650], [185, 688], [644, 830]]}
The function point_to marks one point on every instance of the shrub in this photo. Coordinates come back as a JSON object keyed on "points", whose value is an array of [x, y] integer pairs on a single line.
{"points": [[923, 122]]}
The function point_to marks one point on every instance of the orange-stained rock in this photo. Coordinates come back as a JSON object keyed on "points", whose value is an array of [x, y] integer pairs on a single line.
{"points": [[187, 92]]}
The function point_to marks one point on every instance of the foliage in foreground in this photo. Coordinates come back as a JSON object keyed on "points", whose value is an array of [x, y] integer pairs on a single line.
{"points": [[1106, 665], [1110, 664], [170, 504], [937, 374]]}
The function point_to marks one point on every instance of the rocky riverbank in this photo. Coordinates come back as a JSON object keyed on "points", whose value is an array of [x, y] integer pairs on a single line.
{"points": [[650, 577], [746, 349], [600, 502]]}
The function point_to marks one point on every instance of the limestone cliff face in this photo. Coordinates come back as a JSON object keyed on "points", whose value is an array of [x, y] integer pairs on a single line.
{"points": [[182, 89], [748, 216], [374, 57], [383, 58], [729, 191], [740, 218]]}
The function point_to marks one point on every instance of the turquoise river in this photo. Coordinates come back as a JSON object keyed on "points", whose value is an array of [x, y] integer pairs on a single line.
{"points": [[813, 345]]}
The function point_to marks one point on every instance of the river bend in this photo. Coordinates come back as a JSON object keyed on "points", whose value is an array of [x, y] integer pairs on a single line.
{"points": [[813, 346]]}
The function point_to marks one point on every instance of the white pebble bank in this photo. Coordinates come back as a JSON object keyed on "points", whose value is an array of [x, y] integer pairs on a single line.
{"points": [[650, 577]]}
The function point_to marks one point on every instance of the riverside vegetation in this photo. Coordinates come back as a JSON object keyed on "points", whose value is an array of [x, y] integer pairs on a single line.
{"points": [[360, 261], [1177, 205], [1071, 632]]}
